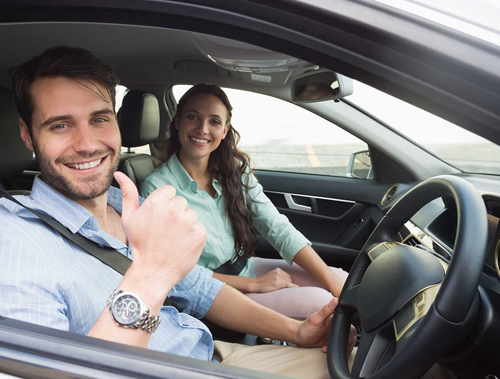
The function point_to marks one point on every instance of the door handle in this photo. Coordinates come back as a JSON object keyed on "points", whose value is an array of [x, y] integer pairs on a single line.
{"points": [[296, 207]]}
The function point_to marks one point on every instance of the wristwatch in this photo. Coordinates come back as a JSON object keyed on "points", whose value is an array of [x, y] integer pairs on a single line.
{"points": [[129, 311]]}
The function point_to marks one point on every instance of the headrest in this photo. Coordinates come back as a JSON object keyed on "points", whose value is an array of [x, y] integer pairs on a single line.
{"points": [[139, 119], [14, 156]]}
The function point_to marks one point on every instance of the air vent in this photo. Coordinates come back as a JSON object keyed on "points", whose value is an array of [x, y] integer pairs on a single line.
{"points": [[412, 241], [389, 195]]}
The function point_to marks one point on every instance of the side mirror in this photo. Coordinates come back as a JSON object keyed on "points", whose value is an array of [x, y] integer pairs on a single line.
{"points": [[321, 86], [360, 165]]}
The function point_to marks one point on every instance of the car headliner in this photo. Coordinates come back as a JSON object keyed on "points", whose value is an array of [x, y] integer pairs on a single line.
{"points": [[441, 70]]}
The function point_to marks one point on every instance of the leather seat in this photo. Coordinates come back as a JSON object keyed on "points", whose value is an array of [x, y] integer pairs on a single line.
{"points": [[14, 156], [139, 121]]}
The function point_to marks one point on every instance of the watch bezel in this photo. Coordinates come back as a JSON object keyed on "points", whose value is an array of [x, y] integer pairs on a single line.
{"points": [[142, 310]]}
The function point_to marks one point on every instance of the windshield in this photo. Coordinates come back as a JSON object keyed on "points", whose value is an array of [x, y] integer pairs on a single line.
{"points": [[478, 18], [449, 142]]}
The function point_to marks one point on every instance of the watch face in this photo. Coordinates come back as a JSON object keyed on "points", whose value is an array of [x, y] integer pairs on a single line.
{"points": [[127, 309]]}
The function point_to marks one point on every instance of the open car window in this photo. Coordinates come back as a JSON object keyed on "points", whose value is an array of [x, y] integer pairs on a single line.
{"points": [[281, 136]]}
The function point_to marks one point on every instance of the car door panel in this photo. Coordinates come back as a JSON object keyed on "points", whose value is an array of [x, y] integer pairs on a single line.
{"points": [[336, 214]]}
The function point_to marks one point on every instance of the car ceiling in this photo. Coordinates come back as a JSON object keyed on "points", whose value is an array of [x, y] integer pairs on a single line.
{"points": [[144, 57], [443, 71]]}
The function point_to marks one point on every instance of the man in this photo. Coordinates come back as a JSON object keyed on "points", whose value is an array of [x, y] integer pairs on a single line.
{"points": [[66, 100]]}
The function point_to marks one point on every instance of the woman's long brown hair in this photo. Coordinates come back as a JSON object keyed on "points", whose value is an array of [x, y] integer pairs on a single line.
{"points": [[227, 164]]}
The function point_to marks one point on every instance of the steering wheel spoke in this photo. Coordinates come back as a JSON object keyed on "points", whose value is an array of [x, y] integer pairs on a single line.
{"points": [[348, 299], [375, 349]]}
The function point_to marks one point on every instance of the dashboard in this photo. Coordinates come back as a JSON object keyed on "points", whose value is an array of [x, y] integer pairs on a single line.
{"points": [[436, 226]]}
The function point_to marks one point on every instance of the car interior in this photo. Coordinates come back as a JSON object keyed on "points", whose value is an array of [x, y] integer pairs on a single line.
{"points": [[338, 213]]}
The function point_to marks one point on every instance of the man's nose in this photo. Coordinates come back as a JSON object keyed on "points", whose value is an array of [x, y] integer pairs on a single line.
{"points": [[84, 138]]}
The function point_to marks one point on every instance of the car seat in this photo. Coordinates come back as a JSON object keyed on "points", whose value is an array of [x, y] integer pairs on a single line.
{"points": [[14, 156], [139, 121]]}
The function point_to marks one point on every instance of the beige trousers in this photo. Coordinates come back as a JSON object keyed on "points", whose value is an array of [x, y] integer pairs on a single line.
{"points": [[296, 362]]}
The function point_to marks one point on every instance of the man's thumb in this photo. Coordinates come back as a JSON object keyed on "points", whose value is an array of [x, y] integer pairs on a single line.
{"points": [[130, 196], [328, 309]]}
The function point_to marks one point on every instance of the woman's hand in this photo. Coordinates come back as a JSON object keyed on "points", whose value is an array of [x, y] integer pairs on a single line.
{"points": [[271, 281]]}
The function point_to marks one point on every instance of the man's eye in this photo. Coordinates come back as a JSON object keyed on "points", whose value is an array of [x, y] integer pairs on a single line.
{"points": [[59, 126], [99, 120]]}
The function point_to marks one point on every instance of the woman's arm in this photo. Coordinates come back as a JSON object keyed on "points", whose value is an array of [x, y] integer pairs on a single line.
{"points": [[278, 230], [271, 281], [310, 261]]}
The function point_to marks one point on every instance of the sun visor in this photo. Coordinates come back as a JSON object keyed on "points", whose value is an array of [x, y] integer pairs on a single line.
{"points": [[254, 64]]}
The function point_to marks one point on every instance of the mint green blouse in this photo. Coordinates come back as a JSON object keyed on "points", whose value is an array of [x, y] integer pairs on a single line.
{"points": [[273, 226]]}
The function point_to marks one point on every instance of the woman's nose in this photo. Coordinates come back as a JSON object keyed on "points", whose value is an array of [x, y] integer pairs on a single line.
{"points": [[203, 127]]}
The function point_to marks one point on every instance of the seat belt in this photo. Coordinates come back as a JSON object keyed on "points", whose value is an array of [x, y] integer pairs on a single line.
{"points": [[107, 255], [232, 268]]}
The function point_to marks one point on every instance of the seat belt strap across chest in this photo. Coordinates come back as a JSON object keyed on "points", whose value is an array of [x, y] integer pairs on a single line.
{"points": [[106, 255]]}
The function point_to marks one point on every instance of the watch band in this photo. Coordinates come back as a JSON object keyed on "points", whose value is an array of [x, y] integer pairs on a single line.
{"points": [[146, 322]]}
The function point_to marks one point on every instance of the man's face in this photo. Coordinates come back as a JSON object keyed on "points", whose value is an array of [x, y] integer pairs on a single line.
{"points": [[75, 136]]}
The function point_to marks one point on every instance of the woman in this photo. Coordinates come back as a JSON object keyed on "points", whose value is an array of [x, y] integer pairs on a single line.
{"points": [[203, 163]]}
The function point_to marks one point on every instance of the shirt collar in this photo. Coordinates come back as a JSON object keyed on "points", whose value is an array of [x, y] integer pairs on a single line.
{"points": [[184, 179], [180, 173], [69, 213]]}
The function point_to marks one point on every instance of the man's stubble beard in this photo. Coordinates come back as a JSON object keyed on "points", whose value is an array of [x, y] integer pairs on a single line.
{"points": [[93, 187]]}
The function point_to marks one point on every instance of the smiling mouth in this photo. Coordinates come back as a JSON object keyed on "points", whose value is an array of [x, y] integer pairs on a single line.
{"points": [[86, 165], [199, 140]]}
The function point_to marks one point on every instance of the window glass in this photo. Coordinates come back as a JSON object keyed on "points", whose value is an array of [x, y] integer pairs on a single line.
{"points": [[449, 142], [281, 136]]}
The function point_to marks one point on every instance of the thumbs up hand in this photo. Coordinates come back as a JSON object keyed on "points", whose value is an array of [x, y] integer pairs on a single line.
{"points": [[165, 237]]}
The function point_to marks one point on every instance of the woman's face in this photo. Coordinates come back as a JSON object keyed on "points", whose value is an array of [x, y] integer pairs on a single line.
{"points": [[202, 126]]}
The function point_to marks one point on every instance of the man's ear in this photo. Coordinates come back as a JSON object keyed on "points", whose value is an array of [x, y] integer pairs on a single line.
{"points": [[25, 135], [226, 129]]}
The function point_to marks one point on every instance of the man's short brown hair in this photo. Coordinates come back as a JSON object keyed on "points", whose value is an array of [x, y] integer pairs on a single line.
{"points": [[69, 62]]}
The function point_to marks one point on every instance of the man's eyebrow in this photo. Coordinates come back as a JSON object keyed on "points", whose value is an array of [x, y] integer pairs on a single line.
{"points": [[102, 111], [53, 120]]}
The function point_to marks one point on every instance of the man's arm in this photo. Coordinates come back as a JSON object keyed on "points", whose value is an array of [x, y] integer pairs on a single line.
{"points": [[166, 240], [233, 310]]}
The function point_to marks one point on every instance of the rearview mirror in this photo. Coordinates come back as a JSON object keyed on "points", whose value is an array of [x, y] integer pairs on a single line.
{"points": [[360, 165], [321, 86]]}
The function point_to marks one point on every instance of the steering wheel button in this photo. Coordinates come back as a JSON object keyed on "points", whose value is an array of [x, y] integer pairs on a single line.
{"points": [[403, 318], [420, 300]]}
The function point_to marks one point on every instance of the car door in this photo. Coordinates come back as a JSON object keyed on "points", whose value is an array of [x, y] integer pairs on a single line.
{"points": [[337, 214]]}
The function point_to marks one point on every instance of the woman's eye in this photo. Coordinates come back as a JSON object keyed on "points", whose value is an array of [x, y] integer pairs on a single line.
{"points": [[191, 117], [216, 122]]}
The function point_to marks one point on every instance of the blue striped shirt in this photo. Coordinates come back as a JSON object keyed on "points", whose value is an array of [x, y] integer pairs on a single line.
{"points": [[47, 280]]}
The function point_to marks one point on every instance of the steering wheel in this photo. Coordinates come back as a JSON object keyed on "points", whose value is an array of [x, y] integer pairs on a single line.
{"points": [[411, 304]]}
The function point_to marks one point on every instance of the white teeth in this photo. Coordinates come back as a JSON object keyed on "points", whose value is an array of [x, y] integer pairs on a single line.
{"points": [[86, 166], [199, 140]]}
